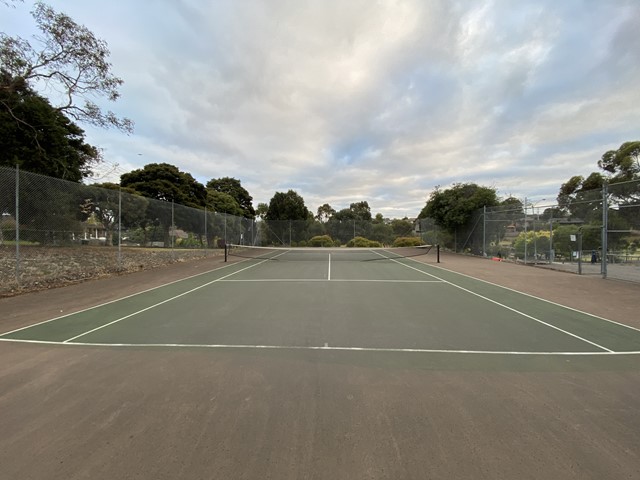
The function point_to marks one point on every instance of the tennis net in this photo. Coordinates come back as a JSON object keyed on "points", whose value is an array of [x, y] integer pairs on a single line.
{"points": [[302, 254]]}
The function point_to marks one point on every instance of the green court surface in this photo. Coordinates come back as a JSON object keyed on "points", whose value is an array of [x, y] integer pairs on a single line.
{"points": [[343, 304]]}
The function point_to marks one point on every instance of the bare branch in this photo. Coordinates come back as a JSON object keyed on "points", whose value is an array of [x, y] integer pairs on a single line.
{"points": [[70, 60]]}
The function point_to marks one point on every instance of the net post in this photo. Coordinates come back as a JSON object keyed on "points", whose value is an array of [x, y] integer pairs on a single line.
{"points": [[226, 252], [438, 253]]}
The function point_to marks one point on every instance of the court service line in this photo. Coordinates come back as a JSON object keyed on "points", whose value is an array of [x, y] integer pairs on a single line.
{"points": [[163, 302], [505, 306], [312, 280], [121, 298], [311, 347], [532, 296]]}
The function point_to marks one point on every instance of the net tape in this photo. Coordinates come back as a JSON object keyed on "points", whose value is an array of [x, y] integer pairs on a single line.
{"points": [[302, 254]]}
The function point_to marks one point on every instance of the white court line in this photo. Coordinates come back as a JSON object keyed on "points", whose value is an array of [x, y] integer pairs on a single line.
{"points": [[121, 298], [530, 296], [503, 306], [164, 301], [325, 347], [343, 280]]}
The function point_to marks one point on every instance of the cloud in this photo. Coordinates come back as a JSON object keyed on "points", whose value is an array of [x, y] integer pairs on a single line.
{"points": [[378, 101]]}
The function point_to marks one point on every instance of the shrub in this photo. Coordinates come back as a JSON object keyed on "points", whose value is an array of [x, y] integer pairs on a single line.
{"points": [[362, 242], [321, 241], [407, 242]]}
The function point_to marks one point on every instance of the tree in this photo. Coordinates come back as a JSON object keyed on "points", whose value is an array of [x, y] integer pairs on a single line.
{"points": [[287, 218], [581, 197], [234, 189], [512, 204], [41, 139], [324, 213], [287, 206], [350, 222], [223, 203], [167, 183], [361, 211], [622, 164], [104, 200], [402, 227], [454, 207], [262, 210], [70, 60]]}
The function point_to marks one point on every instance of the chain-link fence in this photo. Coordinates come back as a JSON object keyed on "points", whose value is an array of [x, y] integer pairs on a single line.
{"points": [[54, 231], [592, 232], [334, 232]]}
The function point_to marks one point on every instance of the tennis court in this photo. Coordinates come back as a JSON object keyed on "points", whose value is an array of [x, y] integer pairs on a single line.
{"points": [[344, 364], [361, 299]]}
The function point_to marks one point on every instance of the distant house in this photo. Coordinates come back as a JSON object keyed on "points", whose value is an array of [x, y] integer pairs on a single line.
{"points": [[93, 232]]}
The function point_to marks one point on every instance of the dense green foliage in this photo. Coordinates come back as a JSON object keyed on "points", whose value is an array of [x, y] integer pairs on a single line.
{"points": [[232, 188], [407, 242], [361, 242], [40, 139], [166, 182], [287, 206], [454, 207], [321, 241]]}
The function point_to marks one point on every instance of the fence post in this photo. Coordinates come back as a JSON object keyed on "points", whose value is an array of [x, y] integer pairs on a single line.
{"points": [[172, 232], [484, 230], [580, 251], [205, 243], [120, 228], [17, 218], [605, 232], [525, 230]]}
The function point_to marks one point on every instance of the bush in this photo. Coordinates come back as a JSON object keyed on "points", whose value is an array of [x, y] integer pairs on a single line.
{"points": [[362, 242], [407, 242], [321, 241]]}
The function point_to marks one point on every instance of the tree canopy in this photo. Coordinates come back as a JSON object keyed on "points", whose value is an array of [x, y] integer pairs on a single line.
{"points": [[71, 60], [166, 182], [41, 139], [324, 213], [223, 203], [287, 206], [454, 207], [622, 164], [233, 188]]}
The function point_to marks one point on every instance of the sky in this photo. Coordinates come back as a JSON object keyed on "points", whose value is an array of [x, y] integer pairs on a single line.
{"points": [[362, 100]]}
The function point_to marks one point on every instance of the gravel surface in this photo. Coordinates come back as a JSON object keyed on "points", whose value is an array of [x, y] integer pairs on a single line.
{"points": [[45, 268]]}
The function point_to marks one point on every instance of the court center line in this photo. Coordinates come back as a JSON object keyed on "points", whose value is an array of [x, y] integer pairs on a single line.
{"points": [[311, 347], [504, 306], [163, 302], [121, 298]]}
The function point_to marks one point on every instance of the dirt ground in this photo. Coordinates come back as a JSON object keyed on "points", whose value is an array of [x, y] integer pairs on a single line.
{"points": [[70, 412]]}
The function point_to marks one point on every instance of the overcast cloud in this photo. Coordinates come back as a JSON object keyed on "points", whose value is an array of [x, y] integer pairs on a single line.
{"points": [[345, 101]]}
